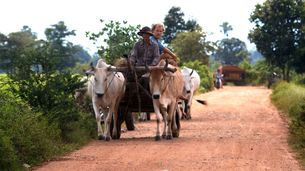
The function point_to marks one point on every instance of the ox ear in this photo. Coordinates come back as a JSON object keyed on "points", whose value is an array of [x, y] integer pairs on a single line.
{"points": [[90, 71]]}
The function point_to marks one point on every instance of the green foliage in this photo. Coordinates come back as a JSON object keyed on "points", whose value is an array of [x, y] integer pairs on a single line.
{"points": [[118, 38], [8, 159], [27, 135], [253, 76], [79, 68], [80, 55], [37, 111], [36, 77], [290, 98], [213, 64], [174, 24], [21, 52], [206, 77], [259, 73], [231, 51], [190, 46], [58, 48], [279, 32], [299, 79]]}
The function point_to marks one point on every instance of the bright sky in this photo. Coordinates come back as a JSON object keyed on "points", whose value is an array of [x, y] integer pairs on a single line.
{"points": [[84, 15]]}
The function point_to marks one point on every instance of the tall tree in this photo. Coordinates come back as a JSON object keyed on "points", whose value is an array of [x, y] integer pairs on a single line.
{"points": [[17, 46], [231, 51], [174, 23], [80, 55], [61, 50], [191, 46], [226, 27], [279, 32], [118, 39]]}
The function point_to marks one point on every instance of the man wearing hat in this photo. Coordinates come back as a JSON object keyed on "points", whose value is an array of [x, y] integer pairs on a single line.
{"points": [[145, 51]]}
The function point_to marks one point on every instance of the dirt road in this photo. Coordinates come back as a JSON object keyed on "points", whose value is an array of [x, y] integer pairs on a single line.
{"points": [[238, 130]]}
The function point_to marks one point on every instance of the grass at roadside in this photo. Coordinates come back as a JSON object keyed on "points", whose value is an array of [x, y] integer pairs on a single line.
{"points": [[290, 99]]}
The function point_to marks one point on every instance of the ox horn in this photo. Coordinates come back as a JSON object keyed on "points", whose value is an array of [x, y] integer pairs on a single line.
{"points": [[191, 72], [166, 68]]}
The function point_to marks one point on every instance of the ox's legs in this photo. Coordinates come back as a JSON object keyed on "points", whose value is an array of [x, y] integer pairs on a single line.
{"points": [[98, 122], [164, 114], [158, 115], [115, 118], [172, 109], [108, 122], [189, 104]]}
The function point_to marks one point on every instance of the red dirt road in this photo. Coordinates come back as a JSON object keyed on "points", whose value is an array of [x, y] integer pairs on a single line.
{"points": [[238, 130]]}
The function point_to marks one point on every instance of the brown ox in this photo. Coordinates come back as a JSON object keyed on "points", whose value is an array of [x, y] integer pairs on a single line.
{"points": [[166, 87]]}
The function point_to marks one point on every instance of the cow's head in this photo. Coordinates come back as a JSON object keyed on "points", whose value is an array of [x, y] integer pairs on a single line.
{"points": [[188, 86], [100, 79], [158, 77]]}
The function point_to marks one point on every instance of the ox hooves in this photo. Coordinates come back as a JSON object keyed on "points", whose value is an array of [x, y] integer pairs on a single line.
{"points": [[175, 134], [107, 139], [164, 136], [115, 137], [169, 137], [188, 117], [157, 138], [101, 137]]}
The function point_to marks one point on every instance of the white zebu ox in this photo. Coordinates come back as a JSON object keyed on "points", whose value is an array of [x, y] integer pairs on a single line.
{"points": [[166, 87], [191, 85], [106, 89]]}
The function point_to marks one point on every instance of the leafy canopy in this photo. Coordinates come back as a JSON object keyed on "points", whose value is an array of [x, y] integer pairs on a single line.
{"points": [[118, 39], [279, 32]]}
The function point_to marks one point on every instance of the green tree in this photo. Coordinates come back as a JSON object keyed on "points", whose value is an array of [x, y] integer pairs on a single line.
{"points": [[61, 50], [80, 55], [231, 51], [191, 46], [35, 77], [226, 28], [174, 24], [118, 39], [206, 77], [279, 32]]}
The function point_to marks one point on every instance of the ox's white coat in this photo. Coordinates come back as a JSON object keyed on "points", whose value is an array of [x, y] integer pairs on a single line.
{"points": [[106, 89], [191, 85]]}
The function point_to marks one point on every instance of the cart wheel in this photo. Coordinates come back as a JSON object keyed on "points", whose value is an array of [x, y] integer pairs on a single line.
{"points": [[176, 125], [129, 121]]}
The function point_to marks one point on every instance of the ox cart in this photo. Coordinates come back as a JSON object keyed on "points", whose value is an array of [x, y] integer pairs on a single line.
{"points": [[137, 98]]}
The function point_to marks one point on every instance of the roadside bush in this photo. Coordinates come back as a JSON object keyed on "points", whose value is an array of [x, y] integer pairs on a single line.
{"points": [[27, 136], [290, 98], [8, 158], [206, 77], [299, 79]]}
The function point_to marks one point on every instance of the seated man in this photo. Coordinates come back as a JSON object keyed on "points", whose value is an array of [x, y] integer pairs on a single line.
{"points": [[165, 53], [145, 51]]}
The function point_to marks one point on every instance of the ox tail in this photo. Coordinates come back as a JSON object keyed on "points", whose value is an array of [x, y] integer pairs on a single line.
{"points": [[204, 102]]}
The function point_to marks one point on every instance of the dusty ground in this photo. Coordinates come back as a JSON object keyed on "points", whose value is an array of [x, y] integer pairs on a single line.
{"points": [[238, 130]]}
